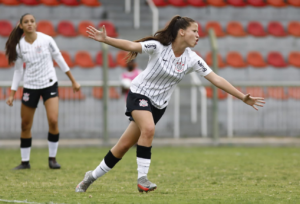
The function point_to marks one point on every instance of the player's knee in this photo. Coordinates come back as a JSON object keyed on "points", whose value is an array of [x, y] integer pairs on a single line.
{"points": [[53, 123], [148, 132], [25, 125]]}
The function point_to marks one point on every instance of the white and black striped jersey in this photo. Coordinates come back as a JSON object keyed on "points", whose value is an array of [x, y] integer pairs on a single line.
{"points": [[164, 71], [39, 72]]}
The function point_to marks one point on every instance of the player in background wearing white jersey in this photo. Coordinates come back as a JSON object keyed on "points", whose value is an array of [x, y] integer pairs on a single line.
{"points": [[170, 58], [36, 50]]}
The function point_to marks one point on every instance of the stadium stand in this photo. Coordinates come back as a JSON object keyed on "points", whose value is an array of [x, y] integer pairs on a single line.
{"points": [[91, 3], [216, 27], [111, 62], [277, 93], [30, 2], [46, 27], [294, 59], [256, 60], [235, 28], [294, 28], [257, 3], [256, 91], [295, 3], [67, 58], [10, 2], [256, 29], [67, 93], [50, 2], [277, 3], [82, 27], [160, 3], [217, 3], [208, 60], [98, 93], [84, 59], [2, 95], [276, 60], [5, 28], [276, 29], [221, 94], [235, 60], [110, 28], [237, 3], [178, 3], [294, 93], [3, 61], [70, 2], [197, 3], [66, 28], [18, 94], [201, 32], [121, 58]]}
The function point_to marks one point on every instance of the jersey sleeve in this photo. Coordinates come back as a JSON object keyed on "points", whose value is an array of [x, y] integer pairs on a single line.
{"points": [[151, 47], [200, 66], [56, 55], [18, 73]]}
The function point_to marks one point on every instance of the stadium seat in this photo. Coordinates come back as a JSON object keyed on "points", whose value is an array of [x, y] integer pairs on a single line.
{"points": [[18, 94], [201, 32], [256, 29], [294, 92], [256, 91], [121, 58], [257, 3], [50, 2], [111, 62], [10, 2], [221, 94], [276, 29], [91, 3], [110, 28], [276, 59], [112, 93], [197, 3], [216, 27], [66, 28], [84, 59], [30, 2], [237, 3], [160, 3], [256, 60], [67, 93], [235, 29], [67, 58], [46, 27], [2, 95], [82, 27], [5, 28], [277, 93], [3, 61], [276, 3], [294, 28], [294, 2], [178, 3], [70, 2], [235, 60], [216, 3], [294, 59], [208, 60]]}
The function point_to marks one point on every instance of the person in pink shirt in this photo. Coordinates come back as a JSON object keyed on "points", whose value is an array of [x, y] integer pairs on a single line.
{"points": [[126, 77]]}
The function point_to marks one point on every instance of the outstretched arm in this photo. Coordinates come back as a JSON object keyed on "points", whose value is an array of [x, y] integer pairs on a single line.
{"points": [[101, 36], [223, 84]]}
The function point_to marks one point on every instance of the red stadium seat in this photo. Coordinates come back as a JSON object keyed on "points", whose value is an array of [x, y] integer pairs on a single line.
{"points": [[112, 93], [160, 3], [256, 91], [111, 62], [3, 61], [256, 29], [70, 2], [294, 2], [197, 3], [5, 28], [277, 93], [50, 2], [217, 3], [66, 28], [294, 28], [10, 2], [221, 94], [235, 60], [208, 60], [109, 27], [276, 59], [18, 94], [237, 3], [67, 58], [121, 58], [201, 32], [216, 27], [257, 3], [84, 59], [91, 3], [30, 2], [67, 93], [256, 60], [294, 92], [276, 29], [178, 3], [277, 3], [294, 59], [82, 27], [46, 27], [2, 95], [235, 29]]}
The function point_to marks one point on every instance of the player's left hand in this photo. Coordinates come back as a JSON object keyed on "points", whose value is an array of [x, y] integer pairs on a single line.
{"points": [[76, 86], [254, 101]]}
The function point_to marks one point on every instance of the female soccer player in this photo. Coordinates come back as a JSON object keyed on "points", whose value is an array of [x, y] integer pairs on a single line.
{"points": [[170, 59], [36, 50]]}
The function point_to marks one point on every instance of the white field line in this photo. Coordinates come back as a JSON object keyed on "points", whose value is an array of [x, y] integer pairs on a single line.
{"points": [[23, 201]]}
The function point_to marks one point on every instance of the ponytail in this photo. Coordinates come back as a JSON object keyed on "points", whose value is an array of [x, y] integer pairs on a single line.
{"points": [[166, 35]]}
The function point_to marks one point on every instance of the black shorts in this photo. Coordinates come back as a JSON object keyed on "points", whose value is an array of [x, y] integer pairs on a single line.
{"points": [[140, 102], [31, 97]]}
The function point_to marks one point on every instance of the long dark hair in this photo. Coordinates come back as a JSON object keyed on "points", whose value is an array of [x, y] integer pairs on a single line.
{"points": [[166, 35], [13, 40]]}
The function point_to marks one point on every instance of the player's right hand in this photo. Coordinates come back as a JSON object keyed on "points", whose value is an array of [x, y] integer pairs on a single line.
{"points": [[96, 34], [10, 101]]}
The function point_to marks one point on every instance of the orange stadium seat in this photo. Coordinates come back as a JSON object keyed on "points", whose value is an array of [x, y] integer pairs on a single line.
{"points": [[294, 92], [18, 94], [235, 29], [5, 28], [235, 60], [276, 59], [221, 94], [217, 3], [294, 28], [30, 2], [294, 2], [257, 3], [256, 29], [208, 60], [237, 3], [82, 27], [201, 32], [121, 58], [50, 2], [256, 60], [84, 59], [111, 62], [3, 61], [160, 3], [294, 59], [276, 3], [10, 2], [91, 3], [216, 27], [2, 95], [46, 27], [178, 3], [277, 93], [109, 27], [67, 58], [276, 29], [67, 93], [256, 91], [66, 28], [70, 2], [197, 3], [112, 93]]}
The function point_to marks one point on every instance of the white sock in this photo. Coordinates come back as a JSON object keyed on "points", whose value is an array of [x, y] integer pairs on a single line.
{"points": [[25, 153], [143, 166], [52, 148], [101, 170]]}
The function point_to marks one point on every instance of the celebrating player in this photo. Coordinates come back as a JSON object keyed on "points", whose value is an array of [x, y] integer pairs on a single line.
{"points": [[170, 59], [36, 50]]}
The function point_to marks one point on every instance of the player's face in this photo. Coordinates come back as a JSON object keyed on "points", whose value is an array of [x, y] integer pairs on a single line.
{"points": [[28, 24], [191, 35]]}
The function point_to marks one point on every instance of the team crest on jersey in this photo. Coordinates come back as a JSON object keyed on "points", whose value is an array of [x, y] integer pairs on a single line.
{"points": [[143, 103], [26, 97], [179, 67], [202, 66], [38, 49]]}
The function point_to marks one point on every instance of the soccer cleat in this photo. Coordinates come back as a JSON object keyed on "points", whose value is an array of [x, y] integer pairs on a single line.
{"points": [[53, 163], [143, 184], [22, 166], [86, 182]]}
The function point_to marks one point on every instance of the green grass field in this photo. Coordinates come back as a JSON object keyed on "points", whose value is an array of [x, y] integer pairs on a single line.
{"points": [[183, 175]]}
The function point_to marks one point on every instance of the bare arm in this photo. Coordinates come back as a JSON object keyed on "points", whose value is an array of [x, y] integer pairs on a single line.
{"points": [[75, 85]]}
